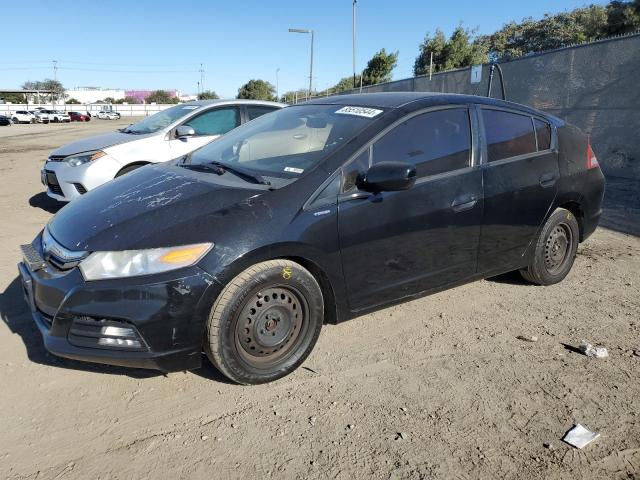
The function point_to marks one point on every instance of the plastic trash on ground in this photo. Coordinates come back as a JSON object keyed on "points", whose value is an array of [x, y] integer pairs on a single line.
{"points": [[579, 436], [591, 351]]}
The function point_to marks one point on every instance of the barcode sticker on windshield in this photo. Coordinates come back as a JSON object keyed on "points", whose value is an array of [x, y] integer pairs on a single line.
{"points": [[293, 170], [360, 111]]}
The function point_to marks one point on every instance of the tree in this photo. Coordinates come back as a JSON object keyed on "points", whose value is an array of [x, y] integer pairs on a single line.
{"points": [[47, 84], [13, 97], [208, 95], [456, 52], [161, 96], [580, 25], [107, 100], [127, 100], [379, 68], [257, 90], [73, 101]]}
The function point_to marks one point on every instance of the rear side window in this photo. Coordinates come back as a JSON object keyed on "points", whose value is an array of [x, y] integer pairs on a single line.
{"points": [[254, 111], [508, 134], [435, 142], [215, 122], [543, 134]]}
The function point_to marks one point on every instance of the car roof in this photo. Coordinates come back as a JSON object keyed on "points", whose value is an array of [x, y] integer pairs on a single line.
{"points": [[422, 99], [233, 101]]}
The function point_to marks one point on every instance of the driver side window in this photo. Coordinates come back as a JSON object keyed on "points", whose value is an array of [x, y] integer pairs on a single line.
{"points": [[215, 122]]}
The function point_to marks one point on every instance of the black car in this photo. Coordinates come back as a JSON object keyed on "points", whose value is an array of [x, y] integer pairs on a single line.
{"points": [[316, 213], [5, 121]]}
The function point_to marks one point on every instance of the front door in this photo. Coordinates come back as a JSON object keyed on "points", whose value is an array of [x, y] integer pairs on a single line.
{"points": [[396, 244], [520, 176]]}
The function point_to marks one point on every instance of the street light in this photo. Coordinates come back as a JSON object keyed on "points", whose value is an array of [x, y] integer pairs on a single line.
{"points": [[354, 41], [301, 30], [277, 85]]}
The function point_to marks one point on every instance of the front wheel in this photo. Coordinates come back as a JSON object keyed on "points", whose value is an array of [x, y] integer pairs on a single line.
{"points": [[265, 322], [555, 249]]}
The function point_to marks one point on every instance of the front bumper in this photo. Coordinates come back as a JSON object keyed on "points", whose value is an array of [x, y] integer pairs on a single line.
{"points": [[66, 183], [167, 312]]}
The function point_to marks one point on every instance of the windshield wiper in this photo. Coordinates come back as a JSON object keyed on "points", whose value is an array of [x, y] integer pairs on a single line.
{"points": [[240, 172], [203, 167]]}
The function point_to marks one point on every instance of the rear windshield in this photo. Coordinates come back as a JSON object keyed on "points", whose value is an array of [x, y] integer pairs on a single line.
{"points": [[289, 141]]}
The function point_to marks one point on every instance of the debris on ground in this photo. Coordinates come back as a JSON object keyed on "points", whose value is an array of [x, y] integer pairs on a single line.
{"points": [[579, 436], [591, 351], [527, 338], [401, 436]]}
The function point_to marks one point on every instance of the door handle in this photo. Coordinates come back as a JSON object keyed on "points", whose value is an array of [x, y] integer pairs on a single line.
{"points": [[464, 203], [548, 180]]}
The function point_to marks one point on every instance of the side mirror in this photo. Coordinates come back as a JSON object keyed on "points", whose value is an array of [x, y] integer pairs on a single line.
{"points": [[388, 177], [184, 131]]}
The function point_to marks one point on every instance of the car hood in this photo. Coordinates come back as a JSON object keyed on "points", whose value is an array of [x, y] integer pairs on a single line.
{"points": [[154, 206], [98, 142]]}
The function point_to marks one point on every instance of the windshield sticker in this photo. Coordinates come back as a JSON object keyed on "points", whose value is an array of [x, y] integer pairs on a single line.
{"points": [[293, 170], [189, 107], [360, 111]]}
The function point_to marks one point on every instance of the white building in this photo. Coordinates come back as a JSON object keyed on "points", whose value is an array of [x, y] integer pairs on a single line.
{"points": [[94, 94]]}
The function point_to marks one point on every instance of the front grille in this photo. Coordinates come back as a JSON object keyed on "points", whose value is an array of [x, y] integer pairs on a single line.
{"points": [[80, 188], [53, 184], [105, 333], [56, 158]]}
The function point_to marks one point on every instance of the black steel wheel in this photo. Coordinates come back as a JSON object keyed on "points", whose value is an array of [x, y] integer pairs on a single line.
{"points": [[555, 249], [265, 322]]}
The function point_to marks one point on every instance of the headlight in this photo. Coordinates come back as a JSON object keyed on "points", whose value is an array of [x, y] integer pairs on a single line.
{"points": [[132, 263], [85, 157]]}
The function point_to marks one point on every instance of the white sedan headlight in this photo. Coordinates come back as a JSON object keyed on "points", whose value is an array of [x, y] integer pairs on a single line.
{"points": [[84, 157], [132, 263]]}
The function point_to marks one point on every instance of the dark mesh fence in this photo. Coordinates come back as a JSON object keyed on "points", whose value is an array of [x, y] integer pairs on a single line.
{"points": [[595, 86]]}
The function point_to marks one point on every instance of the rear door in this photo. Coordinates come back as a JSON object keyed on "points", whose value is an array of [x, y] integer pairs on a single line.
{"points": [[395, 244], [520, 174], [208, 126]]}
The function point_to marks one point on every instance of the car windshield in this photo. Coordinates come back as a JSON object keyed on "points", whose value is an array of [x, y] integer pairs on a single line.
{"points": [[161, 119], [287, 142]]}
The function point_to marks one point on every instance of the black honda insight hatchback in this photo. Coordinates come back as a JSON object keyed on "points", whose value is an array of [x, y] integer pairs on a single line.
{"points": [[315, 213]]}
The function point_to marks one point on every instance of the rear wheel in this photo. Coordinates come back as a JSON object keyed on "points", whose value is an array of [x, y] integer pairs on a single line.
{"points": [[265, 322], [555, 249]]}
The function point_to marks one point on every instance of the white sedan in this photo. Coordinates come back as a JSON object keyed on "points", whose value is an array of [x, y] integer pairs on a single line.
{"points": [[105, 115], [72, 170]]}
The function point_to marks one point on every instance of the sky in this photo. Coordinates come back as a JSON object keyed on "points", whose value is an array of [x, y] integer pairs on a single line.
{"points": [[160, 44]]}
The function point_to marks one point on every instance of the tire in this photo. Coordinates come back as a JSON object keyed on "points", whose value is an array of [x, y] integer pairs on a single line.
{"points": [[15, 120], [265, 322], [555, 249], [128, 169]]}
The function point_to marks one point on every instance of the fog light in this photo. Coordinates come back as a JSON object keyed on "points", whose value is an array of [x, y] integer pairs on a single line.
{"points": [[118, 342]]}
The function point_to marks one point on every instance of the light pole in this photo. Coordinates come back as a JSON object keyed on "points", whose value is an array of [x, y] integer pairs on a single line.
{"points": [[354, 42], [277, 85], [301, 30]]}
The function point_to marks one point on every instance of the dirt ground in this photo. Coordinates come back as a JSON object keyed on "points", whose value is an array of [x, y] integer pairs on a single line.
{"points": [[440, 387]]}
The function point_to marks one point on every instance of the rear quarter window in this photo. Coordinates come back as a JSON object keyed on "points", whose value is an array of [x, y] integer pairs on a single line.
{"points": [[543, 134], [508, 134]]}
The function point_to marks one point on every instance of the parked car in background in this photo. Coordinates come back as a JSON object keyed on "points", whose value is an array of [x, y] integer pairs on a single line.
{"points": [[42, 115], [315, 213], [5, 121], [108, 115], [23, 116], [79, 117], [57, 116], [72, 170]]}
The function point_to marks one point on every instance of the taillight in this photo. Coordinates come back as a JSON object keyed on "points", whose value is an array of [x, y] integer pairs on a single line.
{"points": [[592, 161]]}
